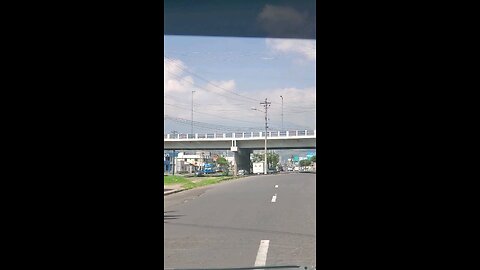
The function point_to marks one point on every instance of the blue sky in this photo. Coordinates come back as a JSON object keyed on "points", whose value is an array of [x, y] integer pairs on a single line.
{"points": [[253, 65], [241, 72]]}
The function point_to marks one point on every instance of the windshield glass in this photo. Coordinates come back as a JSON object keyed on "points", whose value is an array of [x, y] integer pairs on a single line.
{"points": [[240, 152]]}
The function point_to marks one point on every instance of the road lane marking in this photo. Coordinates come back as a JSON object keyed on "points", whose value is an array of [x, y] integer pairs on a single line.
{"points": [[274, 198], [276, 186], [262, 253]]}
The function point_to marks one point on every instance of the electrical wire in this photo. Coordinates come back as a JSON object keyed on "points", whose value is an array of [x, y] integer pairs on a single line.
{"points": [[211, 83]]}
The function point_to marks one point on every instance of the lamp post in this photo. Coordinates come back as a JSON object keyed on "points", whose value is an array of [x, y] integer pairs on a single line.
{"points": [[193, 91], [173, 155], [282, 112]]}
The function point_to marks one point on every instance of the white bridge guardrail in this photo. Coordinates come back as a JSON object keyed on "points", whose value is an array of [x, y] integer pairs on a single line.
{"points": [[234, 135]]}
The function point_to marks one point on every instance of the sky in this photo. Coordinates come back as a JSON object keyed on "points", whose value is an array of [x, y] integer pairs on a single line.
{"points": [[230, 75]]}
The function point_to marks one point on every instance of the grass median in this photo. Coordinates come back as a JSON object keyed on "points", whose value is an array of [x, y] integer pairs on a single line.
{"points": [[193, 182]]}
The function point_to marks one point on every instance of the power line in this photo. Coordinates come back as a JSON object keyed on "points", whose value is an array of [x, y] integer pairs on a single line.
{"points": [[200, 126], [300, 112], [209, 82], [295, 110], [209, 125], [201, 104], [211, 104], [208, 90], [176, 100], [186, 109], [224, 128]]}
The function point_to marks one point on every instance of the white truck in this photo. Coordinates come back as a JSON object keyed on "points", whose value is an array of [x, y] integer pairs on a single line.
{"points": [[258, 167]]}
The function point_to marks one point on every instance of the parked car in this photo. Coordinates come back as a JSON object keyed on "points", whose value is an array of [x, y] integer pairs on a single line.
{"points": [[242, 172], [209, 168]]}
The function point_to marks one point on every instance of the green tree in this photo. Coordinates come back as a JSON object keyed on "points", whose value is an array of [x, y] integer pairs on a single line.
{"points": [[223, 163], [314, 159], [305, 162], [257, 157], [272, 159]]}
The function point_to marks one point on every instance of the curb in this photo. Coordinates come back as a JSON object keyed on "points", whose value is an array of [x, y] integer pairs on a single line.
{"points": [[173, 191]]}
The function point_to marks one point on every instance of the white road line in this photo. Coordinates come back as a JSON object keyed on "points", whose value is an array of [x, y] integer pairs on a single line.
{"points": [[274, 198], [276, 186], [262, 253]]}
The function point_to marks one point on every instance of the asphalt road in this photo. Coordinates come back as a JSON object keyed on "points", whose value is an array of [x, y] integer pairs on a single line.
{"points": [[242, 223]]}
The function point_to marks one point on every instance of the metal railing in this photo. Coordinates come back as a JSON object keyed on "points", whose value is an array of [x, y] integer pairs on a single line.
{"points": [[240, 135]]}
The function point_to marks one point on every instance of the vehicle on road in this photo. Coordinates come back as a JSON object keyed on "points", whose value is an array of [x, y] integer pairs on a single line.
{"points": [[258, 167], [272, 171], [242, 172], [209, 168]]}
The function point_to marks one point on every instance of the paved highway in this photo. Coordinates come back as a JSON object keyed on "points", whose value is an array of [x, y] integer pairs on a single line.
{"points": [[253, 221]]}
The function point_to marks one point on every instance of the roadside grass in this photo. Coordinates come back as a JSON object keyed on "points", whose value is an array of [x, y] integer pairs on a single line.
{"points": [[173, 179], [193, 182]]}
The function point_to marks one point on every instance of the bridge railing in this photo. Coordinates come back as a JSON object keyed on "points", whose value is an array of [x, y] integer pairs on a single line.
{"points": [[259, 134]]}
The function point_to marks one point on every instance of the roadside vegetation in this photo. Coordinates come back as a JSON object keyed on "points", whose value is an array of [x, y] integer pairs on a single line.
{"points": [[272, 159], [305, 162], [193, 182]]}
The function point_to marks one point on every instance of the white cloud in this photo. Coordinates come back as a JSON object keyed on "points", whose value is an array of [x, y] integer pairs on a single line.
{"points": [[174, 80], [227, 85], [218, 106], [304, 48], [298, 106]]}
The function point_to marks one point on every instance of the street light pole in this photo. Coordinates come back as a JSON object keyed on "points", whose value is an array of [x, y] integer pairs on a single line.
{"points": [[173, 167], [282, 112], [193, 91]]}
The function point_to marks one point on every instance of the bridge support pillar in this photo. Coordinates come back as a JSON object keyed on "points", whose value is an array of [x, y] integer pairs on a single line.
{"points": [[242, 160]]}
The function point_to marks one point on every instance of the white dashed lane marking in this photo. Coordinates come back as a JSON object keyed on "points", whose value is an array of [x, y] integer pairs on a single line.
{"points": [[262, 253], [274, 198], [276, 186]]}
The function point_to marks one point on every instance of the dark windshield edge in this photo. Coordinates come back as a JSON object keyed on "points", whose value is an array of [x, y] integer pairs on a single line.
{"points": [[238, 268]]}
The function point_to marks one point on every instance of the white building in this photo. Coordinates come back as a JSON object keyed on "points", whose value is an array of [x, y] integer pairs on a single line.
{"points": [[189, 163], [230, 160]]}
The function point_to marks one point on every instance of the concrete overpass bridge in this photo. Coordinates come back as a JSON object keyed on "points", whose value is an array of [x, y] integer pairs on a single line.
{"points": [[242, 143]]}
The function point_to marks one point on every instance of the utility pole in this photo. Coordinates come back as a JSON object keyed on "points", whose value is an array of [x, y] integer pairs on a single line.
{"points": [[193, 91], [266, 104], [282, 112]]}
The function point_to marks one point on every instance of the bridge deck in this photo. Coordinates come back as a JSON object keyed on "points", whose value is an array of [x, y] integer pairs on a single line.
{"points": [[304, 139], [242, 135]]}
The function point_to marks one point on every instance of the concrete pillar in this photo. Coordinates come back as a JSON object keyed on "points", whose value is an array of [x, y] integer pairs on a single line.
{"points": [[235, 163], [242, 160]]}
